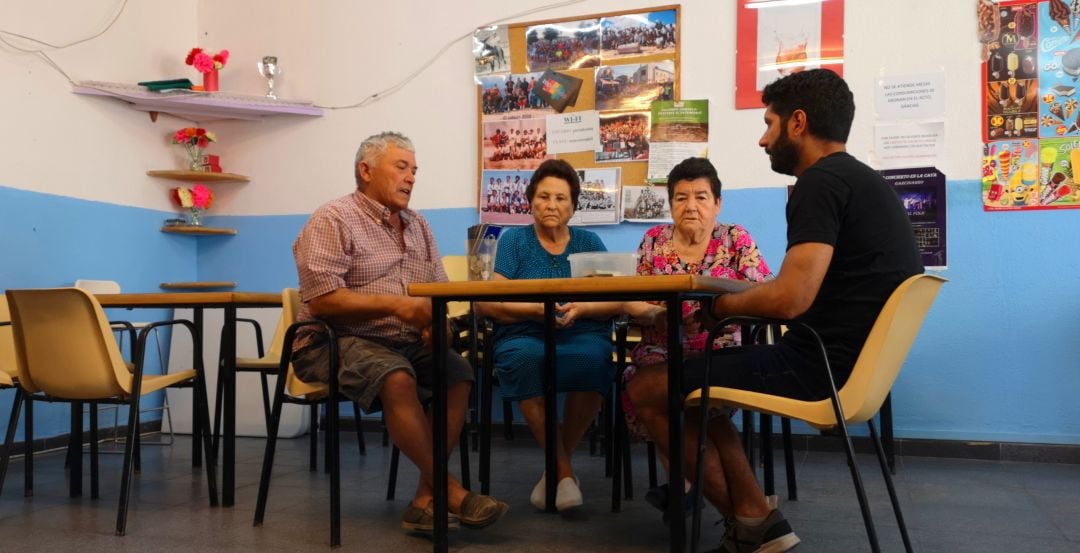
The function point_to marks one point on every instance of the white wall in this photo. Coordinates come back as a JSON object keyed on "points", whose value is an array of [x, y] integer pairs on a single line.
{"points": [[338, 52], [57, 142]]}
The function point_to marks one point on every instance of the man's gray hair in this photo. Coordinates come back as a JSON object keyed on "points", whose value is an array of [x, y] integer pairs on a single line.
{"points": [[373, 147]]}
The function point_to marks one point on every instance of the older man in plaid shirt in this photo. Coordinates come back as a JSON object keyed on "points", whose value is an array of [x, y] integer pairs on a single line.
{"points": [[356, 257]]}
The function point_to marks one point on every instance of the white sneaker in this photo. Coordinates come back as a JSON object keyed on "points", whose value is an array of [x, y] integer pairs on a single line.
{"points": [[568, 494], [537, 497]]}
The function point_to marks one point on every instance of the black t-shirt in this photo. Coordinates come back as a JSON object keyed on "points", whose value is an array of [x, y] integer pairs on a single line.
{"points": [[842, 202]]}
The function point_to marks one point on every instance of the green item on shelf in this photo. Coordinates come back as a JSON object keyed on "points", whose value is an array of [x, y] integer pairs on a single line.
{"points": [[170, 84]]}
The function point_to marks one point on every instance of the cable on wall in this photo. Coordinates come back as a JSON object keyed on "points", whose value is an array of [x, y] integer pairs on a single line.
{"points": [[366, 101]]}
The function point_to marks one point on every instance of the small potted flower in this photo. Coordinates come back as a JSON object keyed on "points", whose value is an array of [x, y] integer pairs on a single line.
{"points": [[194, 140], [207, 64], [194, 199]]}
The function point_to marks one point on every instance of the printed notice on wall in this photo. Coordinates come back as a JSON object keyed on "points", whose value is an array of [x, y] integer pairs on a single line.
{"points": [[909, 144], [919, 96], [679, 130], [578, 131]]}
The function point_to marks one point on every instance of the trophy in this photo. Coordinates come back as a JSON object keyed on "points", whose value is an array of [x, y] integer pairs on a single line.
{"points": [[270, 69]]}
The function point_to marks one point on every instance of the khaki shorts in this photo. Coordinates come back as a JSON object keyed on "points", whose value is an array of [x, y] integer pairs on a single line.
{"points": [[364, 365]]}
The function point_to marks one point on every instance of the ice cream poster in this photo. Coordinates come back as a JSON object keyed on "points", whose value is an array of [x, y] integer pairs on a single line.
{"points": [[1030, 174], [922, 191], [1059, 59], [1011, 74]]}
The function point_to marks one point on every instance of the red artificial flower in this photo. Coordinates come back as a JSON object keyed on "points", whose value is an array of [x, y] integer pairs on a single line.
{"points": [[200, 132], [203, 142], [191, 55]]}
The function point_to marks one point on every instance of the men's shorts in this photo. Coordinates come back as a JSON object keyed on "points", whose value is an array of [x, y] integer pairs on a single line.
{"points": [[364, 364]]}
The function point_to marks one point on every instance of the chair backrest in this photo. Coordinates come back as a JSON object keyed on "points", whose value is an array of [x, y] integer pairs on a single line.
{"points": [[887, 346], [98, 286], [456, 267], [288, 317], [64, 346], [290, 310], [7, 346]]}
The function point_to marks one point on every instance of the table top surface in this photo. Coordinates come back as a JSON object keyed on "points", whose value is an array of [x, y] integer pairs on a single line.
{"points": [[191, 299], [599, 286]]}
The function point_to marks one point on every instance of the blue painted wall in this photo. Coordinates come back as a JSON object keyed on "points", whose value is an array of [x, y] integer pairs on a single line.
{"points": [[997, 358], [49, 241]]}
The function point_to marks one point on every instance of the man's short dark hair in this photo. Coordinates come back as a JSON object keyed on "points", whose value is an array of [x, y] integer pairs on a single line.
{"points": [[693, 168], [822, 94], [559, 169]]}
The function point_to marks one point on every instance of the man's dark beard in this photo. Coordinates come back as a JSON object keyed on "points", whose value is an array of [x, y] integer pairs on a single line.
{"points": [[783, 155]]}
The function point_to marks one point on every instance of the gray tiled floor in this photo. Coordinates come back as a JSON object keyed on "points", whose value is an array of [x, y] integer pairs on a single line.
{"points": [[951, 506]]}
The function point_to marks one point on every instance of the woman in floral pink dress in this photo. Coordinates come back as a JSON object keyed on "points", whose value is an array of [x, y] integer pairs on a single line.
{"points": [[695, 244]]}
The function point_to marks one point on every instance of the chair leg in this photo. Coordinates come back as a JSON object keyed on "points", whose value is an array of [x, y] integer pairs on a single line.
{"points": [[485, 434], [75, 450], [628, 471], [391, 481], [9, 437], [219, 389], [94, 490], [617, 452], [650, 449], [333, 452], [28, 458], [789, 460], [359, 429], [860, 491], [268, 455], [463, 446], [767, 454], [129, 448], [887, 432], [508, 421], [203, 403], [886, 472], [313, 439], [138, 435], [265, 396]]}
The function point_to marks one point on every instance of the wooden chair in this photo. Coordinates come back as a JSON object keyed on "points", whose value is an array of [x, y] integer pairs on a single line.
{"points": [[89, 369], [859, 399]]}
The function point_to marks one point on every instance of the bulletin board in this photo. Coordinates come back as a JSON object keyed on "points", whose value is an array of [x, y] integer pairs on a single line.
{"points": [[638, 50]]}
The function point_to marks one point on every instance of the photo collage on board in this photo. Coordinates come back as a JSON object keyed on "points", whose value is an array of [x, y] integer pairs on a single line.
{"points": [[632, 57], [1031, 105]]}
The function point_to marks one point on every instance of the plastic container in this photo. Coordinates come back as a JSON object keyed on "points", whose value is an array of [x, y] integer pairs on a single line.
{"points": [[602, 264]]}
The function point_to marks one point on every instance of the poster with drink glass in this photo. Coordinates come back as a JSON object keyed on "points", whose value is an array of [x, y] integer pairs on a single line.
{"points": [[774, 39], [922, 191]]}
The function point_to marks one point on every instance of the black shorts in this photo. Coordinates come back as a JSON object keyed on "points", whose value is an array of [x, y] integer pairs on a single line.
{"points": [[776, 370]]}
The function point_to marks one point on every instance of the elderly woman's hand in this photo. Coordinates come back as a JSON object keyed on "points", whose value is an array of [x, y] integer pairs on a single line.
{"points": [[655, 316], [566, 314]]}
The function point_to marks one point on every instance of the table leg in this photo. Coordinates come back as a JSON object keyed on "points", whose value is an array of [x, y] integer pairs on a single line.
{"points": [[677, 527], [228, 373], [551, 417], [196, 428], [438, 411]]}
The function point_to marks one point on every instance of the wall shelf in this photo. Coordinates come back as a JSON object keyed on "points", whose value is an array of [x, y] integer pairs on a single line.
{"points": [[198, 230], [197, 106], [197, 176], [200, 285]]}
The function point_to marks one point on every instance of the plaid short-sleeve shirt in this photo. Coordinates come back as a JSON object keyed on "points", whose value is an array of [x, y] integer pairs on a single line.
{"points": [[350, 243]]}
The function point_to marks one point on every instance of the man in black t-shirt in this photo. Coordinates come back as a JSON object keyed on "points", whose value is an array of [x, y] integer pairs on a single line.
{"points": [[850, 244]]}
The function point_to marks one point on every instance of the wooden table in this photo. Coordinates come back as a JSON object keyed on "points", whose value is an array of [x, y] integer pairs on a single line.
{"points": [[671, 289], [197, 301]]}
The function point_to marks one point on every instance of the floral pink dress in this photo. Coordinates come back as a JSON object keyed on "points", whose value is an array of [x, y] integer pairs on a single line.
{"points": [[731, 253]]}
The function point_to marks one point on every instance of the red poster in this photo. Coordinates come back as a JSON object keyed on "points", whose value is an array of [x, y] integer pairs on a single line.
{"points": [[780, 37]]}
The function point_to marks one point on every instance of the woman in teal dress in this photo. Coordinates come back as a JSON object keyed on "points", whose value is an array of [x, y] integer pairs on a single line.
{"points": [[584, 368]]}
